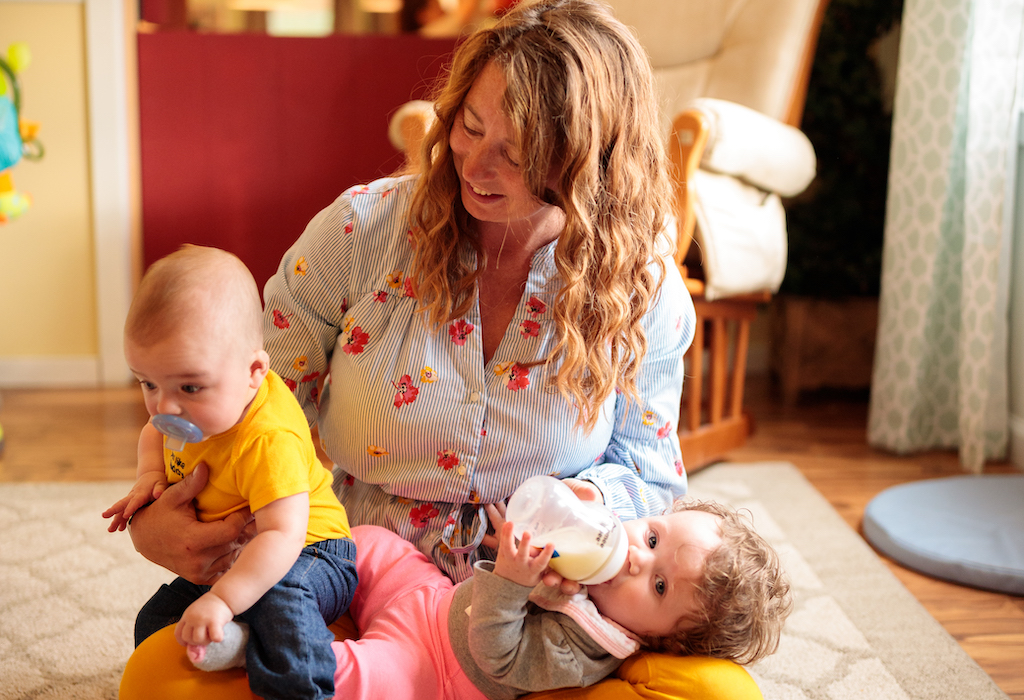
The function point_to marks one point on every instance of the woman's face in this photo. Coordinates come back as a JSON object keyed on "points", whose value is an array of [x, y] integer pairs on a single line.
{"points": [[487, 160]]}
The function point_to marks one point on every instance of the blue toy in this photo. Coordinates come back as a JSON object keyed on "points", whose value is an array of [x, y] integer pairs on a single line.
{"points": [[17, 136]]}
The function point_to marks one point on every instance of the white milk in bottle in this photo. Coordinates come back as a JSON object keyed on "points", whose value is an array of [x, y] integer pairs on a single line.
{"points": [[590, 543]]}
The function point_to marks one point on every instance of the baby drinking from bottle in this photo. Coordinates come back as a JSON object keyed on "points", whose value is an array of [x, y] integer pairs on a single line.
{"points": [[696, 580]]}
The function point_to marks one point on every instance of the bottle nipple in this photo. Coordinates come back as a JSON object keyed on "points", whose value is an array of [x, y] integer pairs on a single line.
{"points": [[177, 429]]}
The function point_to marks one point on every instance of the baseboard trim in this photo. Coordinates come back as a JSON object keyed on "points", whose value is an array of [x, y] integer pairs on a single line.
{"points": [[72, 371]]}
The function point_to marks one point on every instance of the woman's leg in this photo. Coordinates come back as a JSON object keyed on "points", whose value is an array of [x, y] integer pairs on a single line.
{"points": [[166, 607]]}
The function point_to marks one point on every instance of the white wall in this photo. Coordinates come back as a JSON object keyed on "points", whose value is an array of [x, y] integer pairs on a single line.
{"points": [[65, 266]]}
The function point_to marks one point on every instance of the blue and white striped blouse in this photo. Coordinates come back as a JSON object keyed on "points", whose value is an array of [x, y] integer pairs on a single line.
{"points": [[422, 433]]}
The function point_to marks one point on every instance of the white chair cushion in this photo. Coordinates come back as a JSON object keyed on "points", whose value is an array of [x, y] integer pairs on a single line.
{"points": [[760, 150], [741, 232]]}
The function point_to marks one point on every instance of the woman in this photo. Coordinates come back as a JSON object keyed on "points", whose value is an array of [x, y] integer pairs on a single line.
{"points": [[512, 311], [518, 332]]}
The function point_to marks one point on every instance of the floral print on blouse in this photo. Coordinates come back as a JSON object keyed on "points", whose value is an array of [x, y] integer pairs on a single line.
{"points": [[421, 431]]}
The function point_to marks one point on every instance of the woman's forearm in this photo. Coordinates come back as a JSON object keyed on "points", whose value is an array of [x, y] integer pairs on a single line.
{"points": [[168, 533]]}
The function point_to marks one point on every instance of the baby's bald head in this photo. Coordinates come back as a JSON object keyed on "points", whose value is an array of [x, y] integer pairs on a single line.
{"points": [[197, 289]]}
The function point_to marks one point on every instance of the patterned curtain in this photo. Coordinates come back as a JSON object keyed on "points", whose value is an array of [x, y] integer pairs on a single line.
{"points": [[940, 375]]}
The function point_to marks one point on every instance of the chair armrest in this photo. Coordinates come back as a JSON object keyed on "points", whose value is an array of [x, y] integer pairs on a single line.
{"points": [[407, 128], [686, 144], [755, 148]]}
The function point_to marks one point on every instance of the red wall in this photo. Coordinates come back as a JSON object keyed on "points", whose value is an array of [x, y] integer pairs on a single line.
{"points": [[245, 137]]}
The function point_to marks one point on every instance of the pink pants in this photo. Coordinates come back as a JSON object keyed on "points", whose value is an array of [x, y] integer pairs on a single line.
{"points": [[401, 609]]}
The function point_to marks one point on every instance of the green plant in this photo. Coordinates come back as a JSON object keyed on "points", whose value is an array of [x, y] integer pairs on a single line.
{"points": [[835, 227]]}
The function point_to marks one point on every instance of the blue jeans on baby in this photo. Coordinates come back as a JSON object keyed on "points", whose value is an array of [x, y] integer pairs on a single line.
{"points": [[289, 651]]}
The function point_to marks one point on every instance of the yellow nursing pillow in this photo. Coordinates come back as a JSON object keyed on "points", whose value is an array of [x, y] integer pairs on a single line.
{"points": [[159, 670]]}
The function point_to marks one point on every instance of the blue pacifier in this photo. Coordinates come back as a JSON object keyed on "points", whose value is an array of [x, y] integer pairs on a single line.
{"points": [[177, 429]]}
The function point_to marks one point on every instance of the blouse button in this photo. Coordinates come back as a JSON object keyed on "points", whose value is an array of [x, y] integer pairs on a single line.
{"points": [[475, 396]]}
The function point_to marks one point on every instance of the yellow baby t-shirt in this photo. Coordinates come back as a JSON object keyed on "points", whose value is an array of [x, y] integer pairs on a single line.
{"points": [[268, 455]]}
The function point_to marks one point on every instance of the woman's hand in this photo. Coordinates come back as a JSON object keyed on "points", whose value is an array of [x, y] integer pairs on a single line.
{"points": [[168, 533], [496, 514], [584, 490]]}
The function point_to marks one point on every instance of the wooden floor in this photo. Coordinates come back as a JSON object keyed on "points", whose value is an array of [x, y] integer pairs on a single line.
{"points": [[84, 435]]}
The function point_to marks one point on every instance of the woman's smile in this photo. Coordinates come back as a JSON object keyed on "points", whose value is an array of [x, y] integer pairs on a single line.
{"points": [[480, 194], [486, 158]]}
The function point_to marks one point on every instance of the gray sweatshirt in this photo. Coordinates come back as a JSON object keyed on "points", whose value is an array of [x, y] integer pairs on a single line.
{"points": [[509, 646]]}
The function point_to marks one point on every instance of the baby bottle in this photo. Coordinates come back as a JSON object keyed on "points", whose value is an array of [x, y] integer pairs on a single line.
{"points": [[590, 543]]}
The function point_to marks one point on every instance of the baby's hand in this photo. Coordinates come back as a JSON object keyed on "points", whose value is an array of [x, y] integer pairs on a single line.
{"points": [[203, 621], [521, 564], [147, 488]]}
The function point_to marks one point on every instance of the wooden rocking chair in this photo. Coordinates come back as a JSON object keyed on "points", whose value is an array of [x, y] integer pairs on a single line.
{"points": [[732, 77], [747, 56]]}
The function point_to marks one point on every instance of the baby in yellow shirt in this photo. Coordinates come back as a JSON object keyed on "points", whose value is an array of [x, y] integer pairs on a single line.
{"points": [[194, 340]]}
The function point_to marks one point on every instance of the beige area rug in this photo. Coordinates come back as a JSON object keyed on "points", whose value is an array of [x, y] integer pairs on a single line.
{"points": [[855, 632], [69, 592]]}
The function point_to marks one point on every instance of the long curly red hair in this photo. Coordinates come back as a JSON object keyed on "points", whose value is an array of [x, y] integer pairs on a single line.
{"points": [[581, 98]]}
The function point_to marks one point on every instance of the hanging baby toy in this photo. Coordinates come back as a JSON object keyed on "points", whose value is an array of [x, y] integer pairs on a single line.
{"points": [[17, 136]]}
